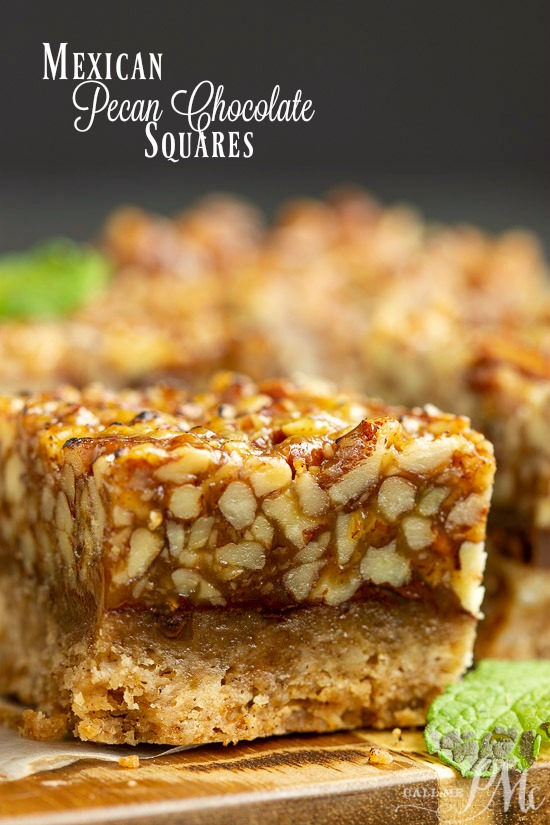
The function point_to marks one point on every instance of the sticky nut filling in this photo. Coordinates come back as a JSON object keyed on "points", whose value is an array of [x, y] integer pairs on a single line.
{"points": [[270, 494]]}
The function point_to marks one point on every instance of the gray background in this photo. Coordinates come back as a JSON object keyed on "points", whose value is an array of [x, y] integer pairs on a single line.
{"points": [[441, 103]]}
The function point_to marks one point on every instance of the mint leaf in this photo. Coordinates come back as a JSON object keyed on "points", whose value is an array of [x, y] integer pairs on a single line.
{"points": [[497, 716], [51, 280]]}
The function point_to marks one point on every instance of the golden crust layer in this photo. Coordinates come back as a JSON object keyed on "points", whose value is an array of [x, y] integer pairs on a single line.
{"points": [[231, 674]]}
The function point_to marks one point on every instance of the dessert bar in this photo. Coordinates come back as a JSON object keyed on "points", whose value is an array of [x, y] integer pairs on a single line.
{"points": [[252, 560]]}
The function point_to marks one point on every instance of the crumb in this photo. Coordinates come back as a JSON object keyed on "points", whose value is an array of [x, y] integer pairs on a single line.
{"points": [[42, 728], [155, 519], [132, 783], [398, 734], [379, 756], [129, 761]]}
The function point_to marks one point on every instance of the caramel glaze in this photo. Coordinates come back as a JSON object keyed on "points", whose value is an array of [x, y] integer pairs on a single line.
{"points": [[175, 619]]}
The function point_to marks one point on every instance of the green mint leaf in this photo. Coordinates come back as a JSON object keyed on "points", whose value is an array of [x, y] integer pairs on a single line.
{"points": [[497, 716], [51, 280]]}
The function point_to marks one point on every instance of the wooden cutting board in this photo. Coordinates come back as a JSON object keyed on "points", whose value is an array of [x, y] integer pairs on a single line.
{"points": [[302, 780]]}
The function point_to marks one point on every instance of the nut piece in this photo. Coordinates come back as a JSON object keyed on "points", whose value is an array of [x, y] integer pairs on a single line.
{"points": [[424, 455], [345, 543], [14, 469], [383, 565], [263, 530], [200, 532], [121, 516], [208, 593], [98, 519], [306, 427], [144, 548], [313, 500], [248, 554], [238, 504], [47, 503], [311, 552], [284, 511], [418, 532], [68, 482], [175, 534], [185, 501], [467, 511], [186, 581], [300, 580], [357, 481], [432, 501], [190, 462], [396, 496], [63, 516], [269, 475], [467, 582], [334, 591]]}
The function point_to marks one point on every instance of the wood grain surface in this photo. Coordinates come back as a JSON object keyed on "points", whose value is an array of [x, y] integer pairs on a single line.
{"points": [[302, 780]]}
